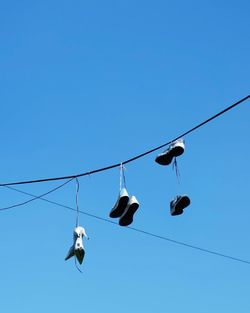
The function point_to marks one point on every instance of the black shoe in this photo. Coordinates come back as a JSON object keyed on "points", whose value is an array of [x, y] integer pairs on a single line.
{"points": [[120, 204], [175, 149], [179, 204], [127, 217]]}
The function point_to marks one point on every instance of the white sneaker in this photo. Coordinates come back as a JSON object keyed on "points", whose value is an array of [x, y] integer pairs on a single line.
{"points": [[127, 217], [77, 248], [175, 149], [120, 204], [178, 204]]}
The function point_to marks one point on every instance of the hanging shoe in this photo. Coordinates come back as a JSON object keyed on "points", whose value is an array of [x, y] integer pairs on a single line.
{"points": [[175, 149], [127, 217], [77, 248], [120, 204], [179, 204]]}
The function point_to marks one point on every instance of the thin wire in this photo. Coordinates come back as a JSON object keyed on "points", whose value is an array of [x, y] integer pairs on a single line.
{"points": [[131, 159], [34, 197], [57, 204], [190, 246], [77, 206], [138, 230]]}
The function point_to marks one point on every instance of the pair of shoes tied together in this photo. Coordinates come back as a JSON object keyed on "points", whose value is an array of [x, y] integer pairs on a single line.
{"points": [[124, 208], [175, 149], [178, 204], [77, 249]]}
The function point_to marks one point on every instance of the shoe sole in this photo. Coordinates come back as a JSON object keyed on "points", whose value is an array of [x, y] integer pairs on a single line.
{"points": [[127, 218], [167, 158], [119, 209]]}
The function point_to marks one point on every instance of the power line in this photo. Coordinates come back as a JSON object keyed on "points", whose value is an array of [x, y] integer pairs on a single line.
{"points": [[136, 229], [191, 246], [131, 159], [34, 197]]}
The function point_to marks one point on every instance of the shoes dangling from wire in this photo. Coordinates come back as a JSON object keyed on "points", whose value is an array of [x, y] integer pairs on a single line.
{"points": [[176, 148], [77, 249], [178, 204], [125, 206]]}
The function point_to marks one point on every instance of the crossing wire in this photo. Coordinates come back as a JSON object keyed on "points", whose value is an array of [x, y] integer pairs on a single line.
{"points": [[34, 197], [208, 251], [131, 159]]}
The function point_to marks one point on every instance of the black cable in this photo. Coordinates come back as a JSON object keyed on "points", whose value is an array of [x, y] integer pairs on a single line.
{"points": [[190, 246], [59, 204], [131, 159], [137, 230], [34, 197]]}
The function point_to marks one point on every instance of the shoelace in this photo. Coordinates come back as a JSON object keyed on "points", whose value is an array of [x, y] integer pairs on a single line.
{"points": [[176, 169], [122, 177], [77, 206], [77, 267]]}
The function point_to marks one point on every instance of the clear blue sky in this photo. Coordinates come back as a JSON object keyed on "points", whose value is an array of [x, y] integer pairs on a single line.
{"points": [[85, 84]]}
